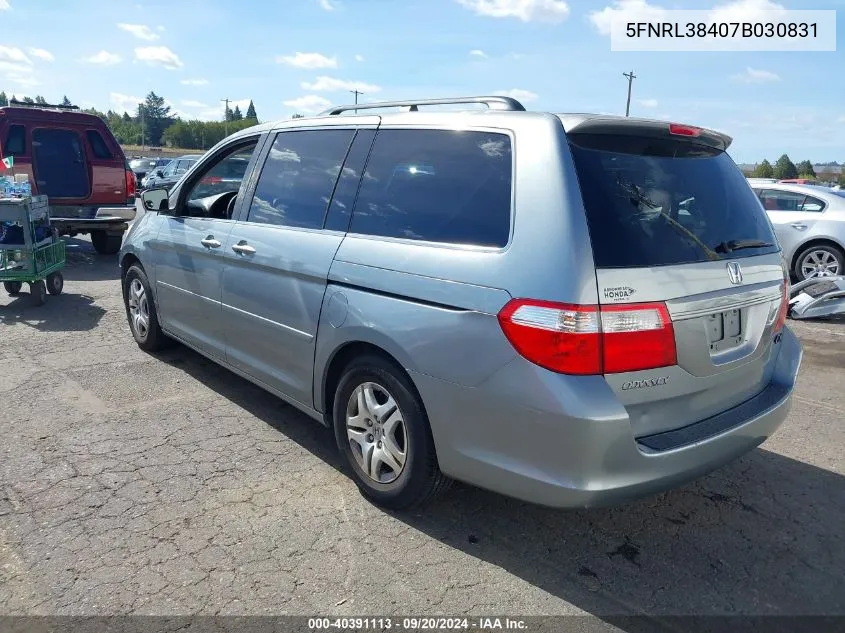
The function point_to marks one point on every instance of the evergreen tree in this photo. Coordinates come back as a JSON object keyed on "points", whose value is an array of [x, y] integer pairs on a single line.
{"points": [[40, 100], [28, 100], [785, 168], [156, 117], [66, 101], [250, 111], [4, 100], [764, 170], [805, 169], [236, 114]]}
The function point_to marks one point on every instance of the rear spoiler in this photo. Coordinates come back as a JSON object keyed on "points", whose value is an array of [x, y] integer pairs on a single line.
{"points": [[624, 126]]}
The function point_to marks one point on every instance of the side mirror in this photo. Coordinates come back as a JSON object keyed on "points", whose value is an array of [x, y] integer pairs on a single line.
{"points": [[155, 199]]}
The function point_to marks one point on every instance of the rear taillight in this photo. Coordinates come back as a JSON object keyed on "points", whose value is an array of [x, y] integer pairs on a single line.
{"points": [[584, 340], [780, 320], [130, 184]]}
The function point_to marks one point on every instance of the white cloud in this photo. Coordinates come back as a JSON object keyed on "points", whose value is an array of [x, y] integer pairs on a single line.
{"points": [[10, 54], [125, 103], [141, 31], [307, 60], [160, 29], [27, 81], [627, 10], [746, 11], [330, 84], [525, 10], [519, 94], [359, 58], [194, 82], [12, 68], [4, 5], [190, 103], [648, 103], [160, 56], [478, 53], [756, 76], [329, 5], [309, 103], [104, 58], [40, 53]]}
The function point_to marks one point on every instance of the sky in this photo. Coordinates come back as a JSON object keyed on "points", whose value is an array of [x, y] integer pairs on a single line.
{"points": [[303, 55]]}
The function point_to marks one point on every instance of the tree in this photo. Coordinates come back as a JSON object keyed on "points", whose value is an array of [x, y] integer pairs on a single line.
{"points": [[236, 114], [40, 100], [66, 101], [250, 111], [842, 179], [227, 114], [4, 100], [764, 170], [28, 100], [156, 117], [785, 168], [805, 169]]}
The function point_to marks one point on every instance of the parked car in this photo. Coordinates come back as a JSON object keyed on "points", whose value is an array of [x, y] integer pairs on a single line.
{"points": [[512, 299], [74, 159], [170, 174], [810, 224], [142, 166]]}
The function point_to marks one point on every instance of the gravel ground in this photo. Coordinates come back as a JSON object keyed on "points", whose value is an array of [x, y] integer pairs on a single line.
{"points": [[133, 484]]}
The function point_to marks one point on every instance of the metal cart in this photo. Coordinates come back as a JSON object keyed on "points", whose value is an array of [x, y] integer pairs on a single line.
{"points": [[817, 297], [30, 250]]}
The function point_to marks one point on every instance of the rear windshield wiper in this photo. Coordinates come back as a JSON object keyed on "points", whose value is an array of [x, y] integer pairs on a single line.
{"points": [[738, 245]]}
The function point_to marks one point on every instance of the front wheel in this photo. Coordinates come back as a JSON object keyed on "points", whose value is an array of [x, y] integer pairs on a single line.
{"points": [[822, 260], [106, 243], [13, 287], [382, 429]]}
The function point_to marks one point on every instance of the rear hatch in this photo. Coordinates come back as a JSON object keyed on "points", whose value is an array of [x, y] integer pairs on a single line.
{"points": [[676, 229]]}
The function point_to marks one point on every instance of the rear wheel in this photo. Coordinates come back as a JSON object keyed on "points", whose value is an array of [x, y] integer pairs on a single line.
{"points": [[55, 283], [141, 311], [382, 429], [106, 243], [38, 291], [820, 260], [13, 287]]}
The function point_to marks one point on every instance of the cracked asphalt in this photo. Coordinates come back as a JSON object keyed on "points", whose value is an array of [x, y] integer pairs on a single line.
{"points": [[134, 484]]}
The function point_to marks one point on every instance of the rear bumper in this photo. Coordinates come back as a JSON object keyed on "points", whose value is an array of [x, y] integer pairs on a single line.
{"points": [[527, 434], [110, 219]]}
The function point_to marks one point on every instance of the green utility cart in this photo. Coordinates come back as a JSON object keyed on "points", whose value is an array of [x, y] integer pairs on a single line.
{"points": [[30, 250]]}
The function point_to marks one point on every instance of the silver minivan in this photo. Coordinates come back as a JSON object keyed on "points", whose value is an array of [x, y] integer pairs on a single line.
{"points": [[574, 310]]}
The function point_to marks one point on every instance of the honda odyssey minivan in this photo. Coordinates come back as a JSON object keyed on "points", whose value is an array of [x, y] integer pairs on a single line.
{"points": [[574, 310]]}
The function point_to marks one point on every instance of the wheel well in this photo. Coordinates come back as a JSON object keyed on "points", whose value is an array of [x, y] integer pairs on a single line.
{"points": [[127, 261], [810, 244], [339, 362]]}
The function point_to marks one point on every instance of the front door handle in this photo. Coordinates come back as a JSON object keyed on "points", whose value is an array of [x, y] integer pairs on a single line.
{"points": [[242, 248], [210, 242], [798, 225]]}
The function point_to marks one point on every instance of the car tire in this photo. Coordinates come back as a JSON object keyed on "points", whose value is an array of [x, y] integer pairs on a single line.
{"points": [[141, 311], [38, 292], [380, 423], [821, 257], [106, 243], [13, 287]]}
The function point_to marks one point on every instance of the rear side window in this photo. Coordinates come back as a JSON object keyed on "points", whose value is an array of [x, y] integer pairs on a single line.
{"points": [[98, 145], [774, 200], [437, 186], [15, 142], [657, 202], [298, 178]]}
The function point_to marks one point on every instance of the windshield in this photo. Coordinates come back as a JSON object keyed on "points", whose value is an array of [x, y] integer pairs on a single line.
{"points": [[657, 202]]}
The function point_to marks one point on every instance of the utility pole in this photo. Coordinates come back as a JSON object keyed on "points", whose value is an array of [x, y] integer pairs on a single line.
{"points": [[356, 93], [631, 76], [226, 116], [143, 127]]}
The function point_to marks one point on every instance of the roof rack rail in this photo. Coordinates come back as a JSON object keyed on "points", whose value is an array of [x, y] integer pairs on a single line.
{"points": [[51, 106], [494, 103]]}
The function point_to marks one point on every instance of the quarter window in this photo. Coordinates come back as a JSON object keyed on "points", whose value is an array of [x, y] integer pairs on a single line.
{"points": [[98, 145], [776, 200], [437, 186], [15, 142], [298, 178]]}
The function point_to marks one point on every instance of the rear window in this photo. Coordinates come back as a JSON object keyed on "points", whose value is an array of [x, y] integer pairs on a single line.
{"points": [[658, 202], [98, 145], [15, 142], [437, 185]]}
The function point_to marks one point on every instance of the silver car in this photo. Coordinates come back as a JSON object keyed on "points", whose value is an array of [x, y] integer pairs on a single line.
{"points": [[574, 310], [809, 221]]}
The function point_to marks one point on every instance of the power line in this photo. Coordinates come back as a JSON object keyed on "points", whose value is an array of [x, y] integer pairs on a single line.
{"points": [[631, 76]]}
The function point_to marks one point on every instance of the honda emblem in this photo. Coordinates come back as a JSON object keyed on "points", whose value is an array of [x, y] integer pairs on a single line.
{"points": [[735, 272]]}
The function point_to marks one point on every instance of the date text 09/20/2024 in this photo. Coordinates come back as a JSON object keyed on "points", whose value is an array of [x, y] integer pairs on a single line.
{"points": [[416, 624]]}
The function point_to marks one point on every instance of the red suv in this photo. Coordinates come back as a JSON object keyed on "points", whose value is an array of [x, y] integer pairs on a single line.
{"points": [[74, 159]]}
